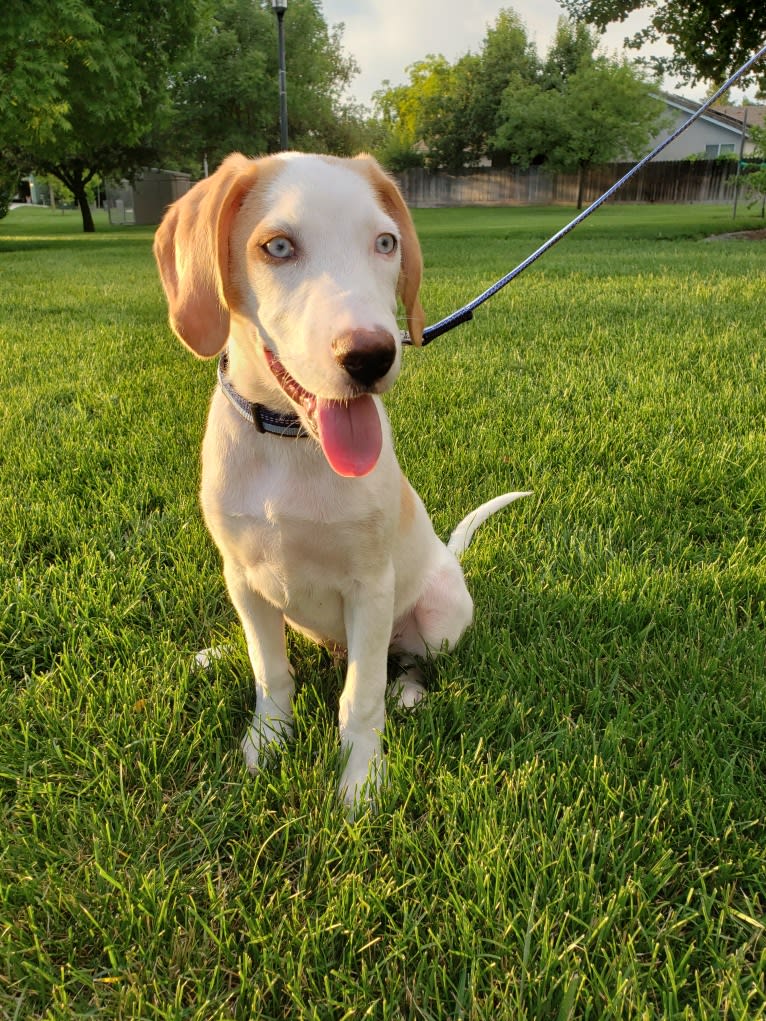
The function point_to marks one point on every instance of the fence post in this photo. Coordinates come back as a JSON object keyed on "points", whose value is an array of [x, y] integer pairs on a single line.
{"points": [[739, 162]]}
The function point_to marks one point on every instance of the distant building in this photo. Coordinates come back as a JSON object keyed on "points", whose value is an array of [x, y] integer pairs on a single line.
{"points": [[717, 132], [145, 201], [756, 115]]}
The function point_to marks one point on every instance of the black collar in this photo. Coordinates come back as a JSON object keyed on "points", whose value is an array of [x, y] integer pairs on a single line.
{"points": [[264, 419]]}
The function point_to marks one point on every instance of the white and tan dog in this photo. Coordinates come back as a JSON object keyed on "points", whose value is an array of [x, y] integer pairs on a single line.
{"points": [[293, 264]]}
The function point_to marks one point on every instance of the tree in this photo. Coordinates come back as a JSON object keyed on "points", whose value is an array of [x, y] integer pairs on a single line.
{"points": [[754, 179], [407, 111], [318, 72], [435, 109], [87, 81], [458, 138], [397, 115], [9, 182], [506, 55], [599, 110], [224, 93], [531, 121], [574, 45], [36, 41], [573, 109], [452, 108], [710, 38]]}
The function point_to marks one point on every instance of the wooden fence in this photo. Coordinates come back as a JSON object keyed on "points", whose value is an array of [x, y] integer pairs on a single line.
{"points": [[701, 181]]}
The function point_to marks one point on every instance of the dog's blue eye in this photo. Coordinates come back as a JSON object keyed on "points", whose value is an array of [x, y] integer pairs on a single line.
{"points": [[385, 244], [280, 248]]}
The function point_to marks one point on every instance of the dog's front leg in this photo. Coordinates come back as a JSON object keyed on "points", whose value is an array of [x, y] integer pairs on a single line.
{"points": [[368, 613], [264, 628]]}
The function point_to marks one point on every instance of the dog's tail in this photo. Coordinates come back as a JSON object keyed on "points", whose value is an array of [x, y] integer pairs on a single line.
{"points": [[461, 537]]}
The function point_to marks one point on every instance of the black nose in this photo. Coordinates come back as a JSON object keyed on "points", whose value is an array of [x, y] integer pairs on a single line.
{"points": [[366, 355]]}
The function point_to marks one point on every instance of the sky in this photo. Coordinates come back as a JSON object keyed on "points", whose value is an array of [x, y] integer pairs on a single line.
{"points": [[385, 36]]}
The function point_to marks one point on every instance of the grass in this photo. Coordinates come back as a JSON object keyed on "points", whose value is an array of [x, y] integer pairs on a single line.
{"points": [[574, 826]]}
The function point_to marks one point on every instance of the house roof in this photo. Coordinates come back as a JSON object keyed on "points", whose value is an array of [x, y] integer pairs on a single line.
{"points": [[756, 115], [715, 114]]}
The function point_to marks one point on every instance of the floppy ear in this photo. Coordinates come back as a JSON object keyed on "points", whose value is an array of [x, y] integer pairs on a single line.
{"points": [[191, 247], [412, 259]]}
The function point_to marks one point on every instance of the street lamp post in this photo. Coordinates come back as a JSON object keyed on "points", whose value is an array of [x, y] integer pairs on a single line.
{"points": [[279, 7]]}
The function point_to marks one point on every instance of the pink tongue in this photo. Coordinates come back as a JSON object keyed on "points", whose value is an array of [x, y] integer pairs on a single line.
{"points": [[350, 434]]}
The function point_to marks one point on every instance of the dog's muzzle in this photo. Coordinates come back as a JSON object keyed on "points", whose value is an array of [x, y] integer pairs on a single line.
{"points": [[366, 355]]}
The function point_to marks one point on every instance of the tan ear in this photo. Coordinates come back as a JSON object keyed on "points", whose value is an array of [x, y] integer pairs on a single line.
{"points": [[412, 259], [191, 247]]}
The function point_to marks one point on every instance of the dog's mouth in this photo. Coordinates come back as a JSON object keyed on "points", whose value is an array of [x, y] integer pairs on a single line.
{"points": [[348, 431]]}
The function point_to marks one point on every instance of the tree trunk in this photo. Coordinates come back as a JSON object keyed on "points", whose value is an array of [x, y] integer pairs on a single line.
{"points": [[580, 185], [88, 225], [76, 178]]}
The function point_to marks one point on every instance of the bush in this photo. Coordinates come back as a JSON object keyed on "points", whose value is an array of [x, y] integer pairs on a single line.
{"points": [[396, 156]]}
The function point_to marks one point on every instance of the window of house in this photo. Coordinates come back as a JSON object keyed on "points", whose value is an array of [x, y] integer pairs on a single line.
{"points": [[711, 151]]}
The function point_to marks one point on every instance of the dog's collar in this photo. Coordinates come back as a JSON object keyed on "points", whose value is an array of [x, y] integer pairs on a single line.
{"points": [[264, 419]]}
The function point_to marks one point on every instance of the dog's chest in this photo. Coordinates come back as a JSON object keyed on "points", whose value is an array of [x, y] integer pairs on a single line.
{"points": [[309, 569], [294, 545], [306, 539], [303, 549]]}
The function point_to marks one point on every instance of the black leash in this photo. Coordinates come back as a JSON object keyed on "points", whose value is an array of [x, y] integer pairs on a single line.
{"points": [[466, 312]]}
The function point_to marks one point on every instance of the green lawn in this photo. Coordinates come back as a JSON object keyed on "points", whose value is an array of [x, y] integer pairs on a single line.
{"points": [[575, 825]]}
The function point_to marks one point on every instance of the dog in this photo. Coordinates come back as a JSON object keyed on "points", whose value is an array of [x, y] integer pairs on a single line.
{"points": [[290, 267]]}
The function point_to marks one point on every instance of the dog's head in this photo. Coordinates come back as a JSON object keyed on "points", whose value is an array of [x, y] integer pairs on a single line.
{"points": [[299, 259]]}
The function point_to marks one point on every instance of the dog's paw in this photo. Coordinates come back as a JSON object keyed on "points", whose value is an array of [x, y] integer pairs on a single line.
{"points": [[205, 658], [407, 687], [266, 735], [363, 776]]}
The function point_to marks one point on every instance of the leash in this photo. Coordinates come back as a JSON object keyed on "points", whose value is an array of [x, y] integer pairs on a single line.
{"points": [[465, 313]]}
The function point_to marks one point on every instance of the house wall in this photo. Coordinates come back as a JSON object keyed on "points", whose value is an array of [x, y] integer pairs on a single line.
{"points": [[694, 141]]}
